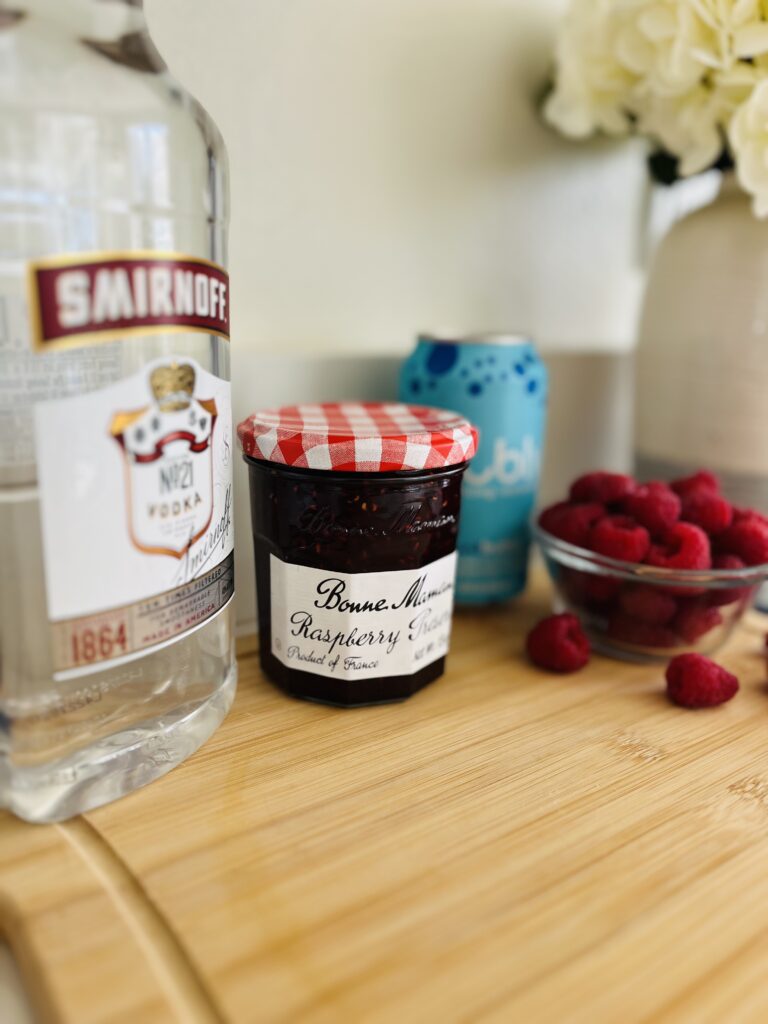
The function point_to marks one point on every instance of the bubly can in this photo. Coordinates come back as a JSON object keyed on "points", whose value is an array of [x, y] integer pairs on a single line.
{"points": [[499, 382]]}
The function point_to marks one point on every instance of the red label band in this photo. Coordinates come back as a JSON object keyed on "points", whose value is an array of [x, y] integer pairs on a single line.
{"points": [[122, 633], [78, 300]]}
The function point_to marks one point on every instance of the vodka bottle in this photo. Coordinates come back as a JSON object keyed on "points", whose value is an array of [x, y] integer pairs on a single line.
{"points": [[116, 575]]}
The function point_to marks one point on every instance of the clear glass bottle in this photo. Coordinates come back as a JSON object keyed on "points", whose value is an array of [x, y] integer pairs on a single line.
{"points": [[116, 623]]}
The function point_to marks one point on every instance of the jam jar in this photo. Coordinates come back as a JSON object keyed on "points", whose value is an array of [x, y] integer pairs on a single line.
{"points": [[355, 513]]}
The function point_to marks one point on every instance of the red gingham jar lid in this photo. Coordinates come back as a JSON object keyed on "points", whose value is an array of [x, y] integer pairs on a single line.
{"points": [[359, 437]]}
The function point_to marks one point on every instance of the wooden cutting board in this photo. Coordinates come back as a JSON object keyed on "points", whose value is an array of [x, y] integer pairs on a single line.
{"points": [[506, 846]]}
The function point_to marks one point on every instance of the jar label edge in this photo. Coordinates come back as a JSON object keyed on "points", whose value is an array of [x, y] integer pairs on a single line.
{"points": [[361, 625]]}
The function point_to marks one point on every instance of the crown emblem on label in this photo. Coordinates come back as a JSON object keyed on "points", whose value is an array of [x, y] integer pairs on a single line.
{"points": [[173, 386]]}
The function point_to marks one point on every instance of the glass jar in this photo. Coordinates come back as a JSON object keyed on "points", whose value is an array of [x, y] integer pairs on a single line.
{"points": [[355, 562]]}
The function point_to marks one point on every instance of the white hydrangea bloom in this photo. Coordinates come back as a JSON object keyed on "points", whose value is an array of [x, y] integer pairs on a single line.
{"points": [[690, 74], [688, 125], [734, 86], [660, 41], [592, 86], [736, 30], [749, 142]]}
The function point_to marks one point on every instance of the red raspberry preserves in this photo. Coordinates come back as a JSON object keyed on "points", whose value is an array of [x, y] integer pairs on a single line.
{"points": [[355, 545]]}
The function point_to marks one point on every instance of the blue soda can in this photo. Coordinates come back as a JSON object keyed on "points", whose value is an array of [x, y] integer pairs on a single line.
{"points": [[500, 383]]}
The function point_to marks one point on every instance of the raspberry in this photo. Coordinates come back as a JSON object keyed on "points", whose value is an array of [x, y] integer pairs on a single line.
{"points": [[651, 605], [586, 588], [729, 562], [740, 514], [655, 506], [696, 682], [571, 522], [708, 510], [631, 631], [695, 620], [603, 487], [747, 538], [701, 481], [728, 595], [558, 644], [685, 546], [619, 537], [600, 589]]}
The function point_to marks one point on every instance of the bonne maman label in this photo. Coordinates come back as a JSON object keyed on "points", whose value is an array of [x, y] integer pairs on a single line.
{"points": [[361, 625]]}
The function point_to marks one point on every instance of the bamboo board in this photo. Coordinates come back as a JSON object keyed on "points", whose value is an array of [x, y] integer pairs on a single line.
{"points": [[505, 846]]}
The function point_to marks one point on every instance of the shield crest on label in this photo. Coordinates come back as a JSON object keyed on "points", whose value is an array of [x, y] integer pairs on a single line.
{"points": [[167, 448]]}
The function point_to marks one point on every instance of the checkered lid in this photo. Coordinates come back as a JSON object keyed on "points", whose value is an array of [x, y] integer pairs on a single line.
{"points": [[359, 437]]}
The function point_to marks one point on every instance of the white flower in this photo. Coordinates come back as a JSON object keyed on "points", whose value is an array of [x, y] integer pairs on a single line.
{"points": [[591, 86], [749, 141], [688, 125], [735, 30], [691, 74], [659, 41]]}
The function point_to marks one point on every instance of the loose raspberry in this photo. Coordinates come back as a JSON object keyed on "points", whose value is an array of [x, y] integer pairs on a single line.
{"points": [[701, 481], [571, 522], [558, 644], [642, 634], [697, 682], [695, 620], [655, 506], [685, 546], [619, 537], [708, 510], [648, 604], [607, 488], [747, 538], [728, 595]]}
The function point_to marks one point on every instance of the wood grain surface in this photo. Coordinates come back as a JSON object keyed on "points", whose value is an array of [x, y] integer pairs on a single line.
{"points": [[505, 846]]}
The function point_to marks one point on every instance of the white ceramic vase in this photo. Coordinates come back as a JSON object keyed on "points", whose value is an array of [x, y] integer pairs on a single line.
{"points": [[702, 357]]}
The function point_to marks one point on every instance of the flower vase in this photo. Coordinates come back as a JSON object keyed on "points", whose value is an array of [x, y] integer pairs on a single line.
{"points": [[702, 356]]}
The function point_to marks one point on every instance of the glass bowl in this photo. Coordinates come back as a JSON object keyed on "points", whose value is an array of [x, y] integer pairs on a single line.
{"points": [[637, 612]]}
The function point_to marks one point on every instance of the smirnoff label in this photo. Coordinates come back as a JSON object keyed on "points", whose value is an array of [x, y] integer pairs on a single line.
{"points": [[80, 300], [136, 499]]}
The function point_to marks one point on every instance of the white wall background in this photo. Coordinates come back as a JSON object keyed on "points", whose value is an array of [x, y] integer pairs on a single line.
{"points": [[390, 171]]}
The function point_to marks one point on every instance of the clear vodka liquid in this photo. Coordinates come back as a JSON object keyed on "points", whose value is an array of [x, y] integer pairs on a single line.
{"points": [[116, 621]]}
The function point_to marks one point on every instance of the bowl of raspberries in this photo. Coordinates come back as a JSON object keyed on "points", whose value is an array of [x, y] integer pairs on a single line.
{"points": [[654, 569]]}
